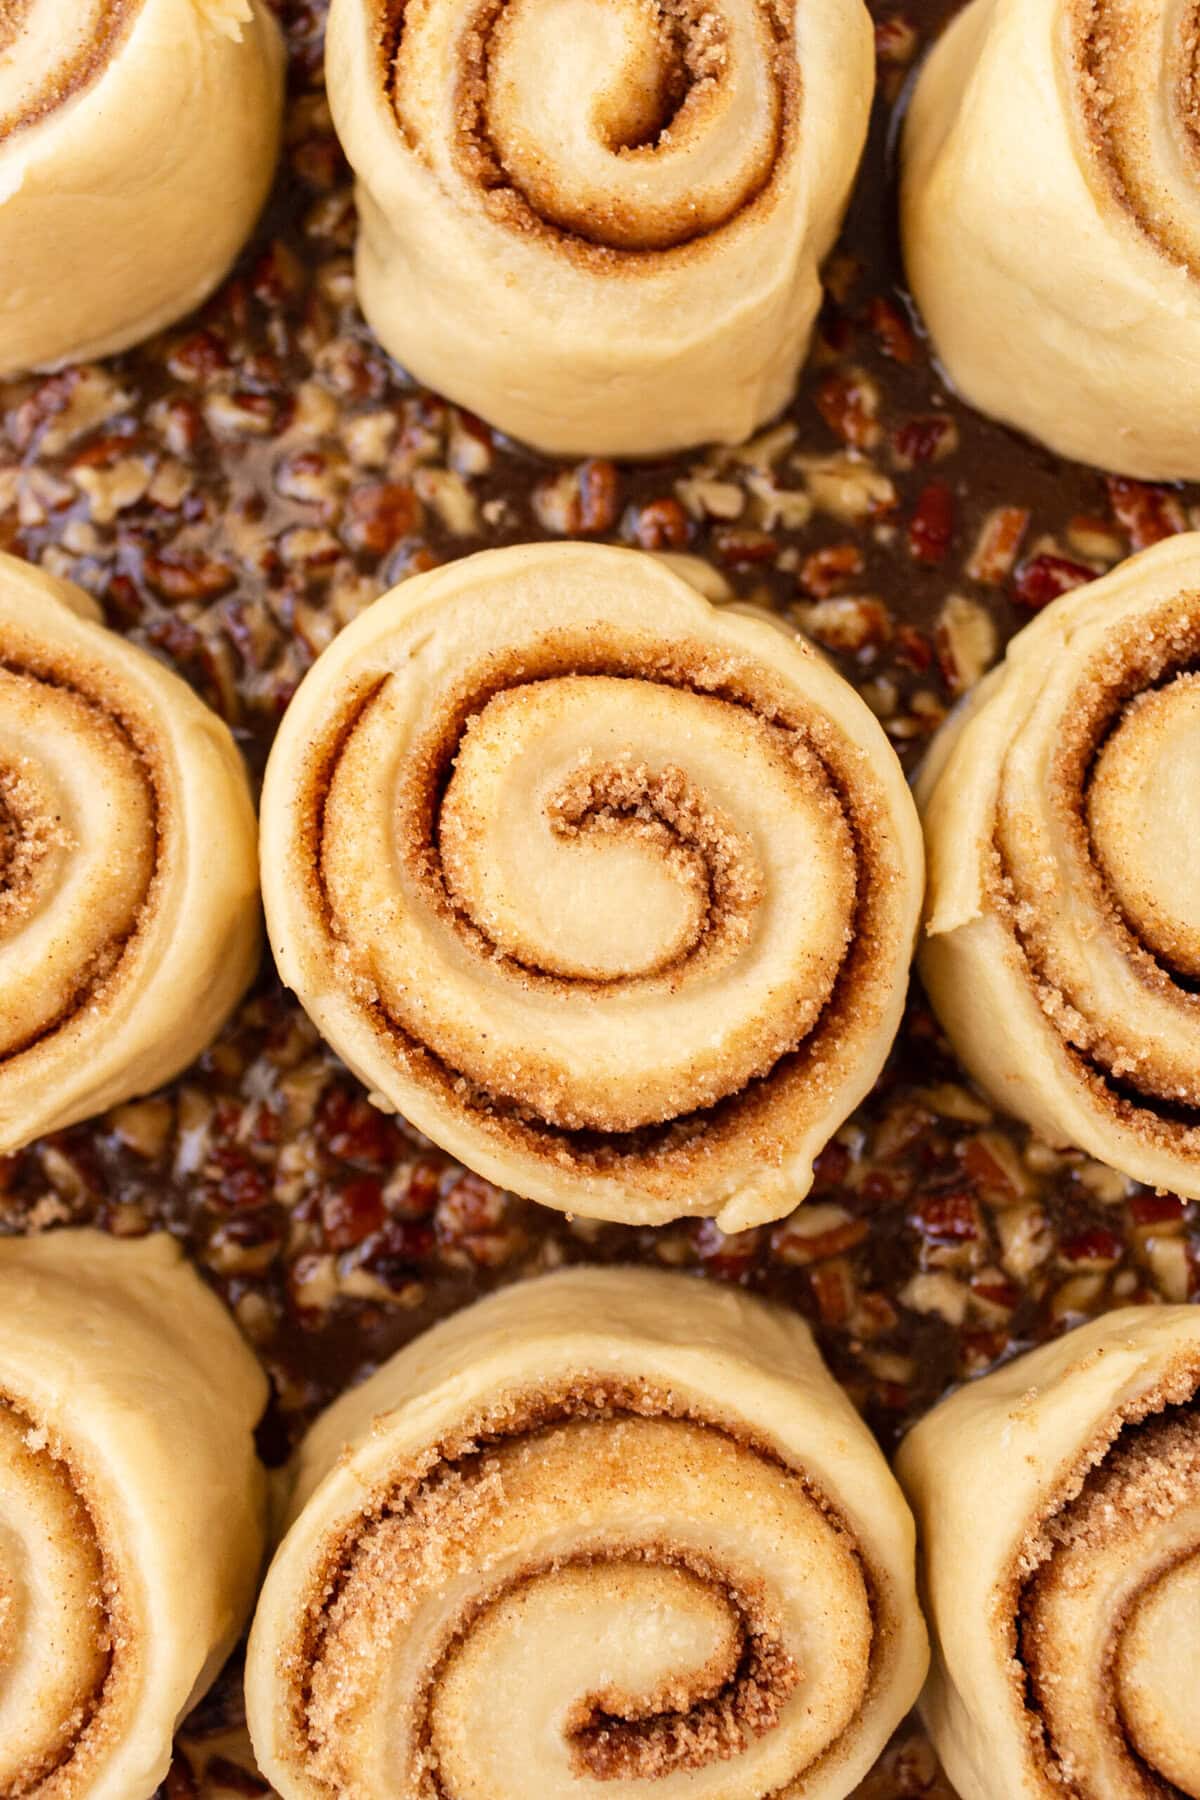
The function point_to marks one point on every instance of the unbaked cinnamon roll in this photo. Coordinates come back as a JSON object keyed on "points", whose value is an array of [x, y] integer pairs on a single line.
{"points": [[1059, 1505], [131, 1508], [613, 894], [1051, 223], [1062, 819], [602, 1533], [128, 883], [137, 144], [599, 225]]}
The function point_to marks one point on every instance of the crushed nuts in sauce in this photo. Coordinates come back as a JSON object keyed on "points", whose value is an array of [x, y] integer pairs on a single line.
{"points": [[237, 490]]}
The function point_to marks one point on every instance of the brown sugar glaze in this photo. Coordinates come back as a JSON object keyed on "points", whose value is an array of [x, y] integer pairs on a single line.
{"points": [[237, 489]]}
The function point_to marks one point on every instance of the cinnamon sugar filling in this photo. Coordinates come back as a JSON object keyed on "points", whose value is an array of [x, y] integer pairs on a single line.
{"points": [[686, 61], [666, 810], [426, 1512]]}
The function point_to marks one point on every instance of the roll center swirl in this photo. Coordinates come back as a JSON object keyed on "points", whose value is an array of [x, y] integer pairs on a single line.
{"points": [[1158, 1673], [1096, 838], [631, 125], [599, 855], [1144, 819], [31, 833]]}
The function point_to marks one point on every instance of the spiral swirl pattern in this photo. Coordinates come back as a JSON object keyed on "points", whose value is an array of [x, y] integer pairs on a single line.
{"points": [[130, 1509], [612, 894], [572, 1559], [137, 144], [124, 942], [601, 160], [1070, 1483], [661, 123], [1076, 124], [53, 1670], [1064, 935]]}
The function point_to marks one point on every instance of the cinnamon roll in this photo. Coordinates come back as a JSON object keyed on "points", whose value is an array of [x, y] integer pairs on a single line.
{"points": [[137, 144], [128, 884], [1051, 222], [599, 225], [131, 1508], [613, 894], [1059, 1505], [1060, 809], [603, 1531]]}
